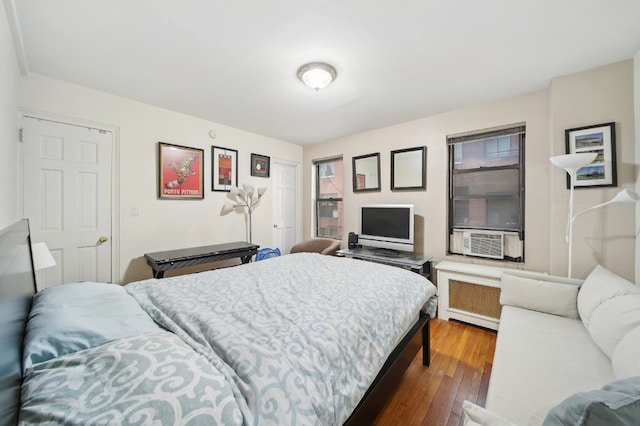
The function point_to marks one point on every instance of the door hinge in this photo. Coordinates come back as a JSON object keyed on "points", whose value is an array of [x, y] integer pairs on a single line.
{"points": [[21, 134]]}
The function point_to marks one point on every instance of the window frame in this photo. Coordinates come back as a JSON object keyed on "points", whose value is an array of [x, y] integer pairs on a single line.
{"points": [[317, 164], [456, 159]]}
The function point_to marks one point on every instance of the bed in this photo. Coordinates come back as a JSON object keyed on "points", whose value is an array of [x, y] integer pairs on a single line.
{"points": [[298, 339]]}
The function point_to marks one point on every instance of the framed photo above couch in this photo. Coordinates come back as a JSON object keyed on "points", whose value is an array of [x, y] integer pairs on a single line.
{"points": [[601, 139]]}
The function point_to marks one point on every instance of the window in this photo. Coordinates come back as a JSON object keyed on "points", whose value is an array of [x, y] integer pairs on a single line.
{"points": [[329, 192], [486, 184]]}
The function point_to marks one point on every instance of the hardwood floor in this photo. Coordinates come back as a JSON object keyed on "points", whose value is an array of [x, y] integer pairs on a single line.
{"points": [[461, 360]]}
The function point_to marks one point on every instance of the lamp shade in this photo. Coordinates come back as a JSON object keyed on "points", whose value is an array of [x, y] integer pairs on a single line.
{"points": [[626, 196], [572, 162], [42, 257], [228, 208]]}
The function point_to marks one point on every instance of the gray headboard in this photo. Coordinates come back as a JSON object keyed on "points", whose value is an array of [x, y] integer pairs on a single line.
{"points": [[17, 287]]}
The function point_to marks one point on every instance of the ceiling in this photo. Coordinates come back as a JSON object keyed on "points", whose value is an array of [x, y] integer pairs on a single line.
{"points": [[235, 62]]}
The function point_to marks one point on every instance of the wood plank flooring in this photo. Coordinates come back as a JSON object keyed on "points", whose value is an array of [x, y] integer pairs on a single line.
{"points": [[461, 360]]}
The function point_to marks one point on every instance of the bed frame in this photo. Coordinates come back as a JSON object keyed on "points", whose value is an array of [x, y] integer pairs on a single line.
{"points": [[18, 285]]}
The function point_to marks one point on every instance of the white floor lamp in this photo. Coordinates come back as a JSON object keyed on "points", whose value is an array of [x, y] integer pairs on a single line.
{"points": [[571, 163], [246, 197]]}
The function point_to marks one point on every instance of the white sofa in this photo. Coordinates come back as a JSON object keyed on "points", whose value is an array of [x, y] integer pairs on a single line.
{"points": [[559, 343]]}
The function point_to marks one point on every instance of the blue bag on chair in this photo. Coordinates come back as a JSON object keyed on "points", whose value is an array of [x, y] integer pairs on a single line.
{"points": [[266, 253]]}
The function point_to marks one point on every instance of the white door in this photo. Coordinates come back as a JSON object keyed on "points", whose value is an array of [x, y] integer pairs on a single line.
{"points": [[285, 213], [67, 198]]}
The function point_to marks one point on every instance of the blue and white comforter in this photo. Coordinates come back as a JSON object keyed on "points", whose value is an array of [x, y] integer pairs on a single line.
{"points": [[152, 378], [300, 337]]}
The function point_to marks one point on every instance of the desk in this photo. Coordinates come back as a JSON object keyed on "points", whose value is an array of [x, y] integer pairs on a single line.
{"points": [[417, 263], [173, 259]]}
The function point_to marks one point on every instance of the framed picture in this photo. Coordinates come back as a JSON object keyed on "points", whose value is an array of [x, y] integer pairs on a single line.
{"points": [[409, 168], [260, 165], [180, 172], [224, 168], [601, 139]]}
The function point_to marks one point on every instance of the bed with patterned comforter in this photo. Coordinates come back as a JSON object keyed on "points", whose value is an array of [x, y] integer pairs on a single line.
{"points": [[296, 339]]}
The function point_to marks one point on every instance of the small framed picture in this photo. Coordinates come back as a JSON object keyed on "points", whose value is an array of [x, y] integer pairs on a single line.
{"points": [[260, 165], [180, 172], [600, 139], [224, 168]]}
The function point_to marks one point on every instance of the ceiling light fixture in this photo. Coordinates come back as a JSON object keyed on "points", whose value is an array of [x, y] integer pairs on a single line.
{"points": [[317, 75]]}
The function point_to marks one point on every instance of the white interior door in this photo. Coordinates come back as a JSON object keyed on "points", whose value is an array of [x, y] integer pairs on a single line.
{"points": [[285, 213], [67, 198]]}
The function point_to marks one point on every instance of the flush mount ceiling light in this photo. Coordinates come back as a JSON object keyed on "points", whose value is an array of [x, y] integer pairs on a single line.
{"points": [[317, 75]]}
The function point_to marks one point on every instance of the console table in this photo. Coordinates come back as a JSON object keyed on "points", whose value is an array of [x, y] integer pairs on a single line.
{"points": [[417, 263], [173, 259]]}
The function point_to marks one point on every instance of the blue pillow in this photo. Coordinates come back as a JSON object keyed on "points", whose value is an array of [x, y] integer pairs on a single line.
{"points": [[72, 317], [617, 403]]}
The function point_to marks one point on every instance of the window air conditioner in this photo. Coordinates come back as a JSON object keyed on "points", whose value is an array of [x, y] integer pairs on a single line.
{"points": [[483, 244]]}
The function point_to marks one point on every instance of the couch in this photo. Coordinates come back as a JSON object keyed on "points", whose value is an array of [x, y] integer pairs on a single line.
{"points": [[567, 353]]}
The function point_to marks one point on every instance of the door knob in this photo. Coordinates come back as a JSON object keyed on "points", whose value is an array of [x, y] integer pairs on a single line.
{"points": [[275, 226], [103, 239]]}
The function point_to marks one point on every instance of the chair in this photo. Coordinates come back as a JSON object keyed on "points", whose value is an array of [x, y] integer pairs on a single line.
{"points": [[317, 245]]}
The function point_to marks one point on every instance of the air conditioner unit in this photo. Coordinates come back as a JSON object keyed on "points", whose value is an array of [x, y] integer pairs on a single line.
{"points": [[483, 244]]}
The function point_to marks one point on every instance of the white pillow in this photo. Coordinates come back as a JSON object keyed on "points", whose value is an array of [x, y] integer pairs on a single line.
{"points": [[626, 355], [543, 294], [609, 307], [613, 320], [475, 415], [601, 285]]}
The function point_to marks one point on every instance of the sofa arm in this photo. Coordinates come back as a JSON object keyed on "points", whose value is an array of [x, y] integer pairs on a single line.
{"points": [[543, 293]]}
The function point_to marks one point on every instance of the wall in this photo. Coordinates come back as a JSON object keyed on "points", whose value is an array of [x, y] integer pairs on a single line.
{"points": [[9, 77], [607, 236], [162, 224], [431, 204]]}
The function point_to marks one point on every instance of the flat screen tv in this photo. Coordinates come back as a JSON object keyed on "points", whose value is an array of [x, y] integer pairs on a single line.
{"points": [[389, 227]]}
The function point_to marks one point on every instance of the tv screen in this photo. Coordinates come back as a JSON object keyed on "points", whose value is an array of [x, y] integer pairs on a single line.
{"points": [[388, 226]]}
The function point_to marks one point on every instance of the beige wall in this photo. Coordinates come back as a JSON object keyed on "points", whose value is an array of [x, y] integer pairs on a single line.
{"points": [[605, 236], [9, 76], [546, 114], [162, 224]]}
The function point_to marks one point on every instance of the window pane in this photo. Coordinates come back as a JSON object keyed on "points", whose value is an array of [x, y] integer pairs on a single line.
{"points": [[329, 219], [493, 152], [330, 180], [502, 213], [489, 182]]}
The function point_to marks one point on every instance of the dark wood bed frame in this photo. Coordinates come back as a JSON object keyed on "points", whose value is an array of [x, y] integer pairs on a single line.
{"points": [[18, 285]]}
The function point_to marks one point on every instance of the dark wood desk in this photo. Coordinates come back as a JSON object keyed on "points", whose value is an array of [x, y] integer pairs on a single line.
{"points": [[173, 259]]}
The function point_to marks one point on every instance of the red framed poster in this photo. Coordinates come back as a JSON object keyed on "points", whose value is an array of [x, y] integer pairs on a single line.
{"points": [[180, 172]]}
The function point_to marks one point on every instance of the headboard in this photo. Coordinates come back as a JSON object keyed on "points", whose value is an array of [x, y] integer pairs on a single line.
{"points": [[17, 287]]}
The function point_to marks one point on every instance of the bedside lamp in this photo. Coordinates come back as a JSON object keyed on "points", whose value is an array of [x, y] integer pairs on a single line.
{"points": [[42, 257]]}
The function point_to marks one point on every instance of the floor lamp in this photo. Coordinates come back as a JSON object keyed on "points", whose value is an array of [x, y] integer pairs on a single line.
{"points": [[246, 197], [571, 163]]}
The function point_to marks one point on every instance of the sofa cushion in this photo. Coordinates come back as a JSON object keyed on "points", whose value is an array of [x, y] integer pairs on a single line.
{"points": [[540, 360], [626, 356], [544, 294], [609, 307], [617, 403]]}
